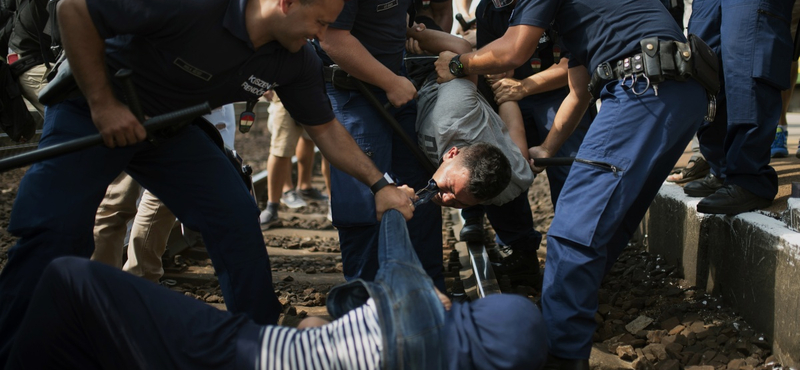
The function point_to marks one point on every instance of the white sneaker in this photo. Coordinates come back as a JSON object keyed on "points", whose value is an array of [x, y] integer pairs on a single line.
{"points": [[292, 200]]}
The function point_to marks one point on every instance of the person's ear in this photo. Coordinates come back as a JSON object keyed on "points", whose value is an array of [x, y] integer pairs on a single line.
{"points": [[285, 5], [452, 153]]}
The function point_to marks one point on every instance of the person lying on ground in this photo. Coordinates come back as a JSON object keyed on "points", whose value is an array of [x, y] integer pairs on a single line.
{"points": [[88, 315]]}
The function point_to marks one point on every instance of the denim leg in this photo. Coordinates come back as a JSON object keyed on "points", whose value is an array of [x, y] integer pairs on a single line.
{"points": [[195, 180], [354, 205], [86, 315], [55, 208]]}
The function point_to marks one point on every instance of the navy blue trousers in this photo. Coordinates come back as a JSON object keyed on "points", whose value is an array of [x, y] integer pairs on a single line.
{"points": [[86, 315], [642, 136], [54, 212], [754, 46], [353, 205]]}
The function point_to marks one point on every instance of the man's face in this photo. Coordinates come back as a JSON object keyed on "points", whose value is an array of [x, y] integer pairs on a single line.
{"points": [[453, 181], [305, 22]]}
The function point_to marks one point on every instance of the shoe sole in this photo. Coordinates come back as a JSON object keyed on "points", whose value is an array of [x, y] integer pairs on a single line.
{"points": [[780, 155], [269, 225], [734, 209]]}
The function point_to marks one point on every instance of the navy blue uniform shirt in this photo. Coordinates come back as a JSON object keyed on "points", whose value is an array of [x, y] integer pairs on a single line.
{"points": [[493, 23], [380, 25], [185, 52], [597, 31]]}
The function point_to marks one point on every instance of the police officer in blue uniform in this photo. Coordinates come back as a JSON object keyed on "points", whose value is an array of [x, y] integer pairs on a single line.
{"points": [[182, 54], [367, 41], [753, 42], [649, 114]]}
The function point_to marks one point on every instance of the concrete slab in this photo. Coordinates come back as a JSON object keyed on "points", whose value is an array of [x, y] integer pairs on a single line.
{"points": [[751, 260]]}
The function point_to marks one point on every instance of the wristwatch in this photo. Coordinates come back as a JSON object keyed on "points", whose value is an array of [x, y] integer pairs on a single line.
{"points": [[380, 184], [456, 68]]}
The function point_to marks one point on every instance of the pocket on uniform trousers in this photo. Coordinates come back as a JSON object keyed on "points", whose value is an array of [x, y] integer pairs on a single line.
{"points": [[772, 54], [583, 202]]}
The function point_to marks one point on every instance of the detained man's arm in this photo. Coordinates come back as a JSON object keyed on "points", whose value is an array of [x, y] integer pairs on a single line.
{"points": [[504, 54], [354, 58], [85, 50], [339, 148], [433, 41], [567, 118], [510, 89], [512, 116]]}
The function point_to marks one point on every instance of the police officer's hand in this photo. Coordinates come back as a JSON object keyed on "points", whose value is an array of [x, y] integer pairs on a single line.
{"points": [[412, 46], [538, 152], [401, 92], [508, 89], [443, 67], [400, 198], [117, 125]]}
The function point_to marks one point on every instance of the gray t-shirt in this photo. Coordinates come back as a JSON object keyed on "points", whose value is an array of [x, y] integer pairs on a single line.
{"points": [[455, 114]]}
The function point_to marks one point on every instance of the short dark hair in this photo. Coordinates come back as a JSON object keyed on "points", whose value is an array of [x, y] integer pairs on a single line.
{"points": [[490, 170]]}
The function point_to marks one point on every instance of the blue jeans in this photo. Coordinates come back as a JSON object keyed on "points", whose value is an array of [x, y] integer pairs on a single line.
{"points": [[599, 208], [54, 213], [353, 205], [412, 317], [754, 46]]}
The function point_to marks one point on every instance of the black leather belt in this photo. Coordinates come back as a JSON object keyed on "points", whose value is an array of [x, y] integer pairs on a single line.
{"points": [[341, 79]]}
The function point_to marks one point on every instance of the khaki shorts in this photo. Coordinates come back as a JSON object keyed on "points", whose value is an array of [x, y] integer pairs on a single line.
{"points": [[284, 130]]}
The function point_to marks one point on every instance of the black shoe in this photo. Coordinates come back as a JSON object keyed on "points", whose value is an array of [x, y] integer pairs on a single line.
{"points": [[472, 230], [703, 187], [556, 363], [518, 266], [732, 200]]}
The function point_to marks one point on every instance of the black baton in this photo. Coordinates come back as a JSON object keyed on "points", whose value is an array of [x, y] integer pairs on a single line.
{"points": [[555, 161], [154, 124]]}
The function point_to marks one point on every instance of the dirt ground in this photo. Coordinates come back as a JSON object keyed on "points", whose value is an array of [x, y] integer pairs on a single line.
{"points": [[648, 317]]}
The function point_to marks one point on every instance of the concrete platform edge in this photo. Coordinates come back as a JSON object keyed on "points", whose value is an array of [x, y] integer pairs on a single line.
{"points": [[752, 260]]}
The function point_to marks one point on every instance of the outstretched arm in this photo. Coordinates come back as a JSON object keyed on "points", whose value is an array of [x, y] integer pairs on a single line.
{"points": [[567, 118], [339, 148], [504, 54], [354, 58]]}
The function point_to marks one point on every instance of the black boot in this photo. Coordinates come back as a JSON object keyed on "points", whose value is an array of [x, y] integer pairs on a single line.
{"points": [[519, 266], [732, 200], [557, 363], [472, 232]]}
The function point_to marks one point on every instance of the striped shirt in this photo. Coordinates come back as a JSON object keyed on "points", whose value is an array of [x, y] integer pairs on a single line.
{"points": [[351, 342]]}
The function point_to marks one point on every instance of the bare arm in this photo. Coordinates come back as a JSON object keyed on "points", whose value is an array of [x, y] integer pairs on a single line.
{"points": [[511, 115], [339, 148], [435, 42], [510, 89], [506, 53], [354, 58], [86, 53], [568, 116], [443, 14]]}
